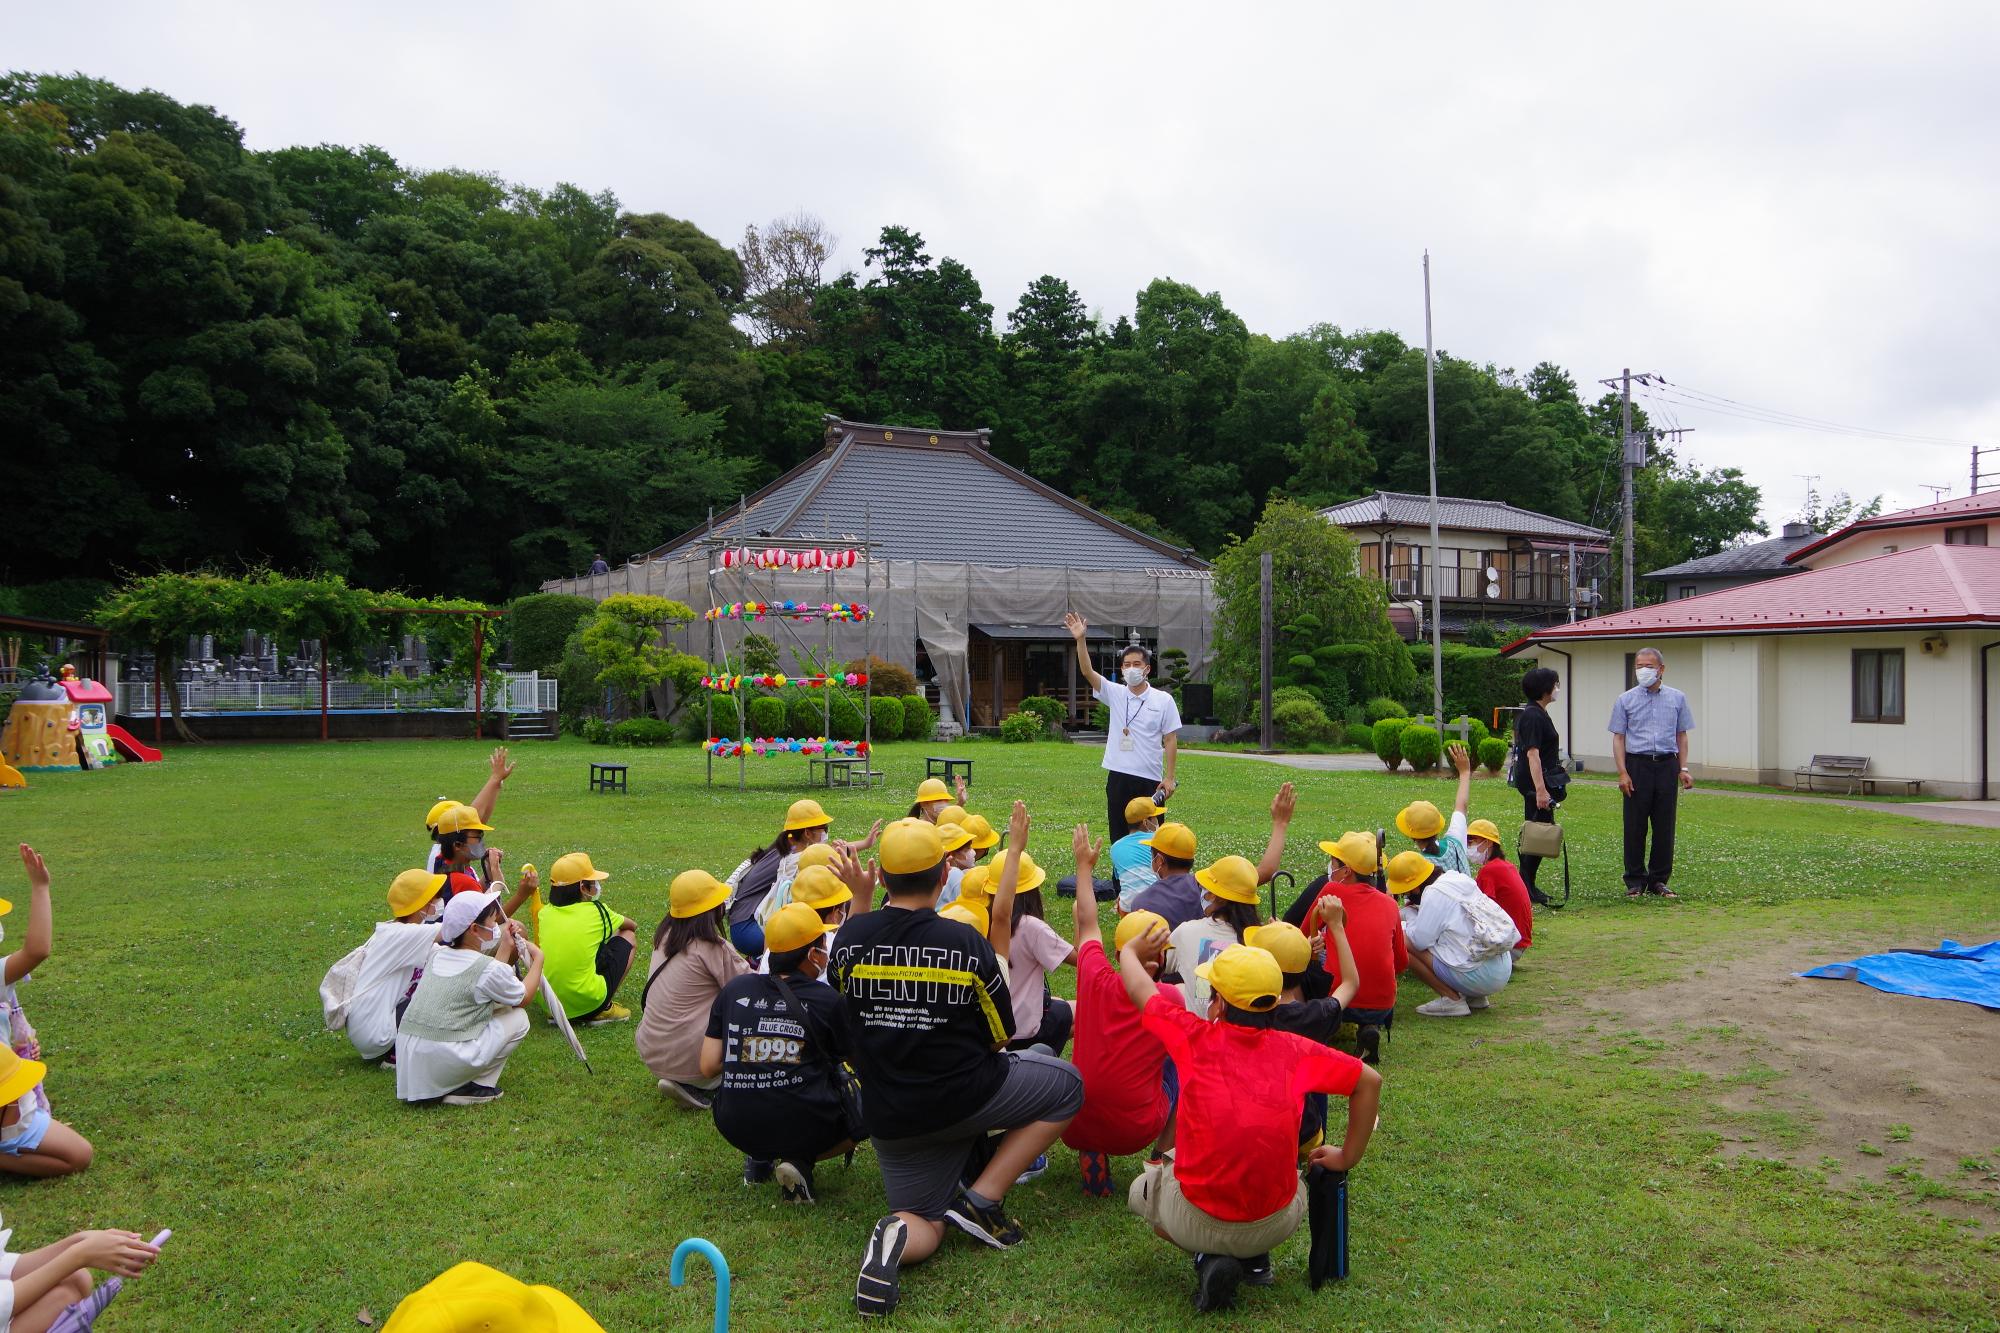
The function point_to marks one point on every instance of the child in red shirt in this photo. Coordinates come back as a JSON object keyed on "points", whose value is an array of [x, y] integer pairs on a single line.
{"points": [[1375, 932], [1230, 1191], [1499, 880], [1128, 1086]]}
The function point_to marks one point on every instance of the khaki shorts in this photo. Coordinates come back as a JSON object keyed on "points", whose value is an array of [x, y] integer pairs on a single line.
{"points": [[1156, 1196]]}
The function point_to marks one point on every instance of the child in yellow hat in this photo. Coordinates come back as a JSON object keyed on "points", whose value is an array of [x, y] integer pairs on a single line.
{"points": [[498, 769], [365, 992], [1441, 842], [32, 1141], [933, 797], [692, 961], [761, 883], [1229, 909], [587, 947]]}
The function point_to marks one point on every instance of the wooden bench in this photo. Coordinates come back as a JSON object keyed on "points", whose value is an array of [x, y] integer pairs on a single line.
{"points": [[607, 777], [1910, 785], [839, 771], [938, 766], [1848, 766]]}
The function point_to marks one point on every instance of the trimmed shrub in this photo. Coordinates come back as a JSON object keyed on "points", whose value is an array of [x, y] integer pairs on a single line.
{"points": [[1016, 728], [1302, 722], [767, 715], [1051, 711], [804, 714], [885, 676], [642, 731], [596, 731], [1421, 746], [886, 715], [918, 719], [1376, 709], [539, 624], [1476, 680], [1492, 753], [1388, 740], [1285, 694], [1232, 700], [1362, 736], [846, 717]]}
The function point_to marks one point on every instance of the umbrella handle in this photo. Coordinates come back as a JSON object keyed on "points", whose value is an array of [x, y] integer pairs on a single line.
{"points": [[677, 1274]]}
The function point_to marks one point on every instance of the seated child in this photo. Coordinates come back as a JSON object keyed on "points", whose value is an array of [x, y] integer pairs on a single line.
{"points": [[1229, 908], [1230, 1190], [586, 947], [498, 769], [933, 798], [692, 961], [470, 866], [777, 1041], [1131, 857], [32, 1141], [958, 857], [51, 1288], [1128, 1085], [1499, 880], [1460, 940], [1374, 929], [1315, 1020], [469, 1011], [1443, 845], [391, 963]]}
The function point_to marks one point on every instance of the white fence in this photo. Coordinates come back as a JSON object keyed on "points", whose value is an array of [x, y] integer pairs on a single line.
{"points": [[515, 692]]}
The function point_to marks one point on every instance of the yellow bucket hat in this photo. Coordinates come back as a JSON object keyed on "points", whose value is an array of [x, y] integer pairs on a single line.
{"points": [[805, 815], [1356, 851], [1029, 878], [18, 1075], [694, 892], [1232, 878], [1284, 942], [953, 835], [953, 814], [1408, 870], [933, 789], [976, 884], [574, 868], [472, 1298], [818, 854], [412, 889], [1245, 978], [984, 839], [970, 914], [1419, 819], [819, 888]]}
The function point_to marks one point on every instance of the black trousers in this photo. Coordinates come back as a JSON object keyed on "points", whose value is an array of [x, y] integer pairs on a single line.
{"points": [[1058, 1021], [614, 960], [1533, 815], [1119, 789], [1656, 784]]}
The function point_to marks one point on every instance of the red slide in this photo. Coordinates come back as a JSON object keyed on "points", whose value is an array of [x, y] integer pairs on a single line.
{"points": [[131, 746]]}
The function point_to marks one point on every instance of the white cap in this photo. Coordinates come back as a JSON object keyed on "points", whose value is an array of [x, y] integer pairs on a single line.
{"points": [[462, 911]]}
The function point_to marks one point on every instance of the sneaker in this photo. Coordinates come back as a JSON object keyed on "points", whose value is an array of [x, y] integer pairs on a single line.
{"points": [[989, 1226], [1477, 1002], [695, 1099], [795, 1182], [1258, 1272], [1443, 1008], [613, 1013], [1368, 1044], [757, 1170], [1216, 1277], [1096, 1168], [387, 1062], [879, 1286], [472, 1094], [1035, 1168]]}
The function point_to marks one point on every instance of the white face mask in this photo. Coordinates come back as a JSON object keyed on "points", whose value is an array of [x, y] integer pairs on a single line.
{"points": [[1477, 853], [476, 850], [1135, 676], [491, 942], [1647, 676]]}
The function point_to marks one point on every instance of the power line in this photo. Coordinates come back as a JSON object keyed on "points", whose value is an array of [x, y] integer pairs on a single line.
{"points": [[1668, 391]]}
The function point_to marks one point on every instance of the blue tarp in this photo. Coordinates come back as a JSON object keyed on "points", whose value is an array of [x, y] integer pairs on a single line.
{"points": [[1952, 971]]}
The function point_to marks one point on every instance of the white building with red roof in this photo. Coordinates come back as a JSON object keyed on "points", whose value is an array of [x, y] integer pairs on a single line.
{"points": [[1887, 655]]}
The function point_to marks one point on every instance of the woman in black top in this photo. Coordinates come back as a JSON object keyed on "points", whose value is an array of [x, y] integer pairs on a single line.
{"points": [[1538, 769]]}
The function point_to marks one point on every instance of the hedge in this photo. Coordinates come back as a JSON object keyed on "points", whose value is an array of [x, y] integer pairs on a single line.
{"points": [[1361, 736], [767, 715], [804, 713], [1492, 753], [1377, 709], [846, 717], [886, 712], [1388, 740], [918, 720], [539, 624], [1421, 746], [642, 731], [1017, 728], [1476, 680]]}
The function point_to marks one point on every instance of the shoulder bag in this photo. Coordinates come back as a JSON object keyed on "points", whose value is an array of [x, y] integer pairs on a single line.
{"points": [[846, 1087]]}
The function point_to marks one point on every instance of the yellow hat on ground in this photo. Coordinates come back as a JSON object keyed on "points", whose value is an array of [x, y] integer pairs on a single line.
{"points": [[976, 884], [1284, 942], [1232, 878], [437, 813], [953, 835], [1029, 878], [461, 819], [1141, 808], [793, 926], [909, 846], [574, 868], [1244, 977], [1408, 870], [953, 814], [933, 789], [983, 836], [694, 892], [1133, 925], [5, 907], [1174, 840], [967, 914], [819, 888], [805, 815], [816, 854], [1356, 851], [18, 1075], [472, 1298], [1419, 819], [1484, 828], [412, 889]]}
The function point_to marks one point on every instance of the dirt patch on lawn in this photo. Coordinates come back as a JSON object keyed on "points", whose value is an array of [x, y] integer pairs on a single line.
{"points": [[1875, 1090]]}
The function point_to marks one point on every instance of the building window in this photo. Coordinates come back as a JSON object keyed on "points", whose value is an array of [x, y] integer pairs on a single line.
{"points": [[1687, 590], [1973, 534], [1878, 684], [1631, 670], [1370, 556]]}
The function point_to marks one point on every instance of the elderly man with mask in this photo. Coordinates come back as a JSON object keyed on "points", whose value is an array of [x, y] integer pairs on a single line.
{"points": [[1649, 743]]}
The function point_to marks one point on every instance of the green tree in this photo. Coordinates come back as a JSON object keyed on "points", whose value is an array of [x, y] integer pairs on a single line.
{"points": [[625, 641]]}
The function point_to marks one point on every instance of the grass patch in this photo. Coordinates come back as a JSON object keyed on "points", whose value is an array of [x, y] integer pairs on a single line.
{"points": [[199, 901]]}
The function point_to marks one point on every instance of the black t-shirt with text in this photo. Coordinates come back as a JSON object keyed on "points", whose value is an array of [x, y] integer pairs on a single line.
{"points": [[777, 1065], [1535, 730], [926, 1006]]}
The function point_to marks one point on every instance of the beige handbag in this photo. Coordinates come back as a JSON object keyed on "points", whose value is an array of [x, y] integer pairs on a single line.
{"points": [[1539, 839]]}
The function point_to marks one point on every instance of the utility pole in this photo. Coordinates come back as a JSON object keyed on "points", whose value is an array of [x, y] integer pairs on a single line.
{"points": [[1268, 738], [1632, 453], [1979, 478], [1431, 412], [1812, 509]]}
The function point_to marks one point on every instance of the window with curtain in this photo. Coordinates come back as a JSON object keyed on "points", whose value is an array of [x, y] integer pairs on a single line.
{"points": [[1971, 535], [1878, 684]]}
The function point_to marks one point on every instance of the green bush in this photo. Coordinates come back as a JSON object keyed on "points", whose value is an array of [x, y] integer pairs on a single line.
{"points": [[1100, 717], [1476, 680], [1232, 701], [1017, 728], [767, 715], [1302, 722], [846, 716], [1421, 746], [1388, 738], [886, 717], [597, 731], [1492, 753], [885, 676], [1285, 694], [805, 713], [538, 626], [1362, 736], [642, 731], [1051, 711], [1377, 709], [918, 719]]}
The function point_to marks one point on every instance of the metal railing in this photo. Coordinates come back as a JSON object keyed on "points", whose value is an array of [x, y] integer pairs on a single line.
{"points": [[514, 692]]}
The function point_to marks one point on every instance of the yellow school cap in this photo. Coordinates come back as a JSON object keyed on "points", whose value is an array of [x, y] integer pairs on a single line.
{"points": [[1174, 840], [1232, 878], [412, 889], [910, 845], [793, 926], [1134, 925], [574, 868], [1244, 977], [819, 888], [1356, 851], [694, 892], [1419, 819], [472, 1298], [1408, 870], [1284, 942], [805, 815]]}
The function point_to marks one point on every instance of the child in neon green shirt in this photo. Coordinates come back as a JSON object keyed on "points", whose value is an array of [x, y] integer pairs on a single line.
{"points": [[587, 948]]}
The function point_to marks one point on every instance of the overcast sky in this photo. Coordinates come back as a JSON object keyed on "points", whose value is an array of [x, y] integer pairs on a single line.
{"points": [[1791, 207]]}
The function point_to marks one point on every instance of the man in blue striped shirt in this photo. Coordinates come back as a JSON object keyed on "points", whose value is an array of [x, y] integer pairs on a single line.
{"points": [[1649, 742]]}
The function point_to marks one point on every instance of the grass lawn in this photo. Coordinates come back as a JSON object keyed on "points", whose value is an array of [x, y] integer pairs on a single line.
{"points": [[1518, 1178]]}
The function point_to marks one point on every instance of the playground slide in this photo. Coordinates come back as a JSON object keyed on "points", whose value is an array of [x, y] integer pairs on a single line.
{"points": [[131, 746]]}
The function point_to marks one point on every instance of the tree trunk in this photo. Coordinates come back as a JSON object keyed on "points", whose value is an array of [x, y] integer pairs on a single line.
{"points": [[172, 686]]}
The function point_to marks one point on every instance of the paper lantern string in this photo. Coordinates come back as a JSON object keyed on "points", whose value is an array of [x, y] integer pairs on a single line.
{"points": [[779, 681], [774, 557], [790, 610], [767, 747]]}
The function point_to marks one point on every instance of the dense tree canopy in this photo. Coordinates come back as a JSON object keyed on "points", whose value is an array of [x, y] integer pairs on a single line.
{"points": [[319, 358]]}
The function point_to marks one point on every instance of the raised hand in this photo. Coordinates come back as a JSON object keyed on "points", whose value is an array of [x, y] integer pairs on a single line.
{"points": [[500, 766], [37, 868], [1282, 805], [1017, 827], [860, 880], [1460, 759], [1085, 851], [958, 785], [1076, 625]]}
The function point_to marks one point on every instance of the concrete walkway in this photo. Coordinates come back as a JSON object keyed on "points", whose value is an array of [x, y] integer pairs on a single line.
{"points": [[1971, 814]]}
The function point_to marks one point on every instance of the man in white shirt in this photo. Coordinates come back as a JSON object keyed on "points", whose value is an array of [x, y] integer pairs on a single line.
{"points": [[1142, 742]]}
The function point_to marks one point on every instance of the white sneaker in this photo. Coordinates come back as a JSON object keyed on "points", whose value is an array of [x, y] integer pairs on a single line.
{"points": [[1443, 1008], [1476, 1001]]}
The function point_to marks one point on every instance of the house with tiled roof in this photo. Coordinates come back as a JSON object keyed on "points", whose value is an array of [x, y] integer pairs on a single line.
{"points": [[1968, 520], [1888, 656], [1496, 561], [1750, 563]]}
